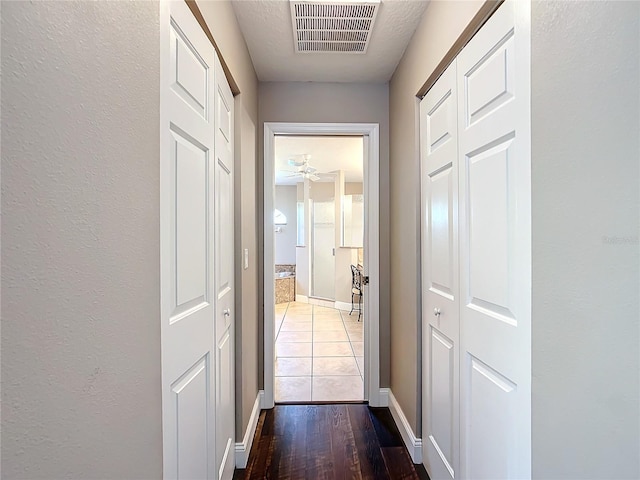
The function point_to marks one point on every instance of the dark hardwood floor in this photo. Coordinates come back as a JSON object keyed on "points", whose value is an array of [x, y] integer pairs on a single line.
{"points": [[338, 441]]}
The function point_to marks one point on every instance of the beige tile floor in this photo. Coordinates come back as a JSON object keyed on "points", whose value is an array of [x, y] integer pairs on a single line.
{"points": [[319, 354]]}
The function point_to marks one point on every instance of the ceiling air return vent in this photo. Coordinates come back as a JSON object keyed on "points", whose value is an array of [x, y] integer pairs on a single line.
{"points": [[335, 27]]}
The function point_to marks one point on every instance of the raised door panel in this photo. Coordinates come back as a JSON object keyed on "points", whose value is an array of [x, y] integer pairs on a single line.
{"points": [[190, 72], [191, 222], [225, 407], [224, 247], [440, 191], [192, 398], [439, 166], [186, 243], [491, 231], [495, 246], [490, 84], [492, 404], [441, 412]]}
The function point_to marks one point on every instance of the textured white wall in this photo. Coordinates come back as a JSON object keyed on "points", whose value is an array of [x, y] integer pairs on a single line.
{"points": [[286, 239], [585, 188], [80, 245]]}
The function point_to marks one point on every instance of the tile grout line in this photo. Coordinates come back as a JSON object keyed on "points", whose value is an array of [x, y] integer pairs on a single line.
{"points": [[350, 342], [353, 351], [356, 357], [281, 323]]}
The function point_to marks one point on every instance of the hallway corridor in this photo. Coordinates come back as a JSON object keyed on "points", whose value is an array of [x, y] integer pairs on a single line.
{"points": [[319, 354]]}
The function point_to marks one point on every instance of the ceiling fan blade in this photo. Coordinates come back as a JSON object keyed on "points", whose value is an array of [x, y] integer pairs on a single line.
{"points": [[314, 178]]}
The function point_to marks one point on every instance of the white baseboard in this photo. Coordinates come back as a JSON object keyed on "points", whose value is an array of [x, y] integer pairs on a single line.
{"points": [[324, 303], [383, 399], [413, 444], [321, 302], [342, 305], [243, 448]]}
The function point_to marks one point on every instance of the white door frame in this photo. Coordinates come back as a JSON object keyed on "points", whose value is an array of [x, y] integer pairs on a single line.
{"points": [[370, 131]]}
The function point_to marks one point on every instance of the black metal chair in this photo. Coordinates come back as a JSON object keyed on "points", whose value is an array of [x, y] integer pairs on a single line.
{"points": [[356, 289]]}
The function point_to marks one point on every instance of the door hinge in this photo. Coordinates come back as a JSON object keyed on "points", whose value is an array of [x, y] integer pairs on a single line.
{"points": [[365, 280]]}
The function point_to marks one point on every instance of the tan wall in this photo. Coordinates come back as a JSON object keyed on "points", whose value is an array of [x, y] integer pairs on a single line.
{"points": [[337, 102], [224, 27], [353, 188], [81, 383], [322, 191], [585, 225], [440, 27]]}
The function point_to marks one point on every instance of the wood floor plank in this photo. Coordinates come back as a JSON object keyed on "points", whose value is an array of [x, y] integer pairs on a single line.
{"points": [[372, 466], [328, 442], [399, 464], [344, 450], [319, 463], [385, 426]]}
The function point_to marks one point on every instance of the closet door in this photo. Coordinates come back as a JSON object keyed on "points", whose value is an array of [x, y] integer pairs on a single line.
{"points": [[186, 239], [495, 247], [224, 278], [440, 314]]}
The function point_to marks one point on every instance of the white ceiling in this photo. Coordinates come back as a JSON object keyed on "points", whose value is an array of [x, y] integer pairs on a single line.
{"points": [[328, 154], [267, 29]]}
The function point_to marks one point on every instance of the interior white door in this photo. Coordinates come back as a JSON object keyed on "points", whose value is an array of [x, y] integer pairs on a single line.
{"points": [[495, 246], [323, 261], [440, 312], [187, 237], [224, 278]]}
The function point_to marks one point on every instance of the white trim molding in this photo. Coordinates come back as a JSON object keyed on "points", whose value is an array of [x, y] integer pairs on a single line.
{"points": [[321, 302], [371, 299], [302, 298], [413, 444], [342, 305], [384, 397], [244, 448]]}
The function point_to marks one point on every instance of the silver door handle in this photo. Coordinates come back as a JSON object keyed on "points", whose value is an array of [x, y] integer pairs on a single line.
{"points": [[226, 312], [436, 312]]}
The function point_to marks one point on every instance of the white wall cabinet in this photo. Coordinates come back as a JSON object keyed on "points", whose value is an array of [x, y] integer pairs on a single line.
{"points": [[352, 221], [476, 245]]}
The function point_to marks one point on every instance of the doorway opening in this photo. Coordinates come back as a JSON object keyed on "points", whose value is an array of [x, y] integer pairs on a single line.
{"points": [[319, 245], [321, 340]]}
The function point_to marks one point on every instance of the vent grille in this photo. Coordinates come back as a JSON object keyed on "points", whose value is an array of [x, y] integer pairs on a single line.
{"points": [[332, 27]]}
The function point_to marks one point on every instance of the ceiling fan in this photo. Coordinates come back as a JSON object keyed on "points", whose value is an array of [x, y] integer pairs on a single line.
{"points": [[304, 170]]}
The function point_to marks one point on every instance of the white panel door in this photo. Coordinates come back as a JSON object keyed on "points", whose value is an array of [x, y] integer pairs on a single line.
{"points": [[187, 237], [323, 260], [495, 247], [440, 312], [224, 278]]}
